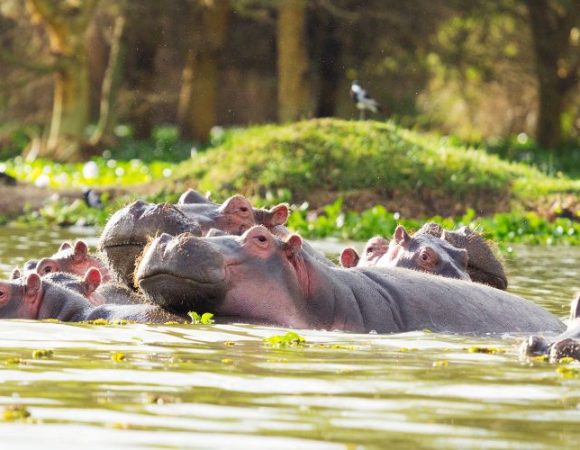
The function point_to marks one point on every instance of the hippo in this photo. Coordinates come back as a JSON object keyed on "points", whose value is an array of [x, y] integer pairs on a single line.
{"points": [[483, 266], [566, 344], [35, 298], [427, 253], [374, 249], [95, 289], [129, 229], [260, 278], [234, 216], [72, 259]]}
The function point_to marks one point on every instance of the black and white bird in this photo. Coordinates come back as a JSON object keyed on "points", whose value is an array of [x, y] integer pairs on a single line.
{"points": [[362, 99], [92, 198]]}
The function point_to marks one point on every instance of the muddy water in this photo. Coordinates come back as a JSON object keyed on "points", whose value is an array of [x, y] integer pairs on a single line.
{"points": [[220, 387]]}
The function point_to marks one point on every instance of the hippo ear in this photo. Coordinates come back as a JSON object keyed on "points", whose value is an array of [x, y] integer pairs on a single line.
{"points": [[462, 258], [47, 265], [92, 279], [64, 246], [401, 236], [33, 287], [237, 204], [427, 259], [292, 245], [80, 251], [15, 274], [191, 196], [349, 258], [278, 215]]}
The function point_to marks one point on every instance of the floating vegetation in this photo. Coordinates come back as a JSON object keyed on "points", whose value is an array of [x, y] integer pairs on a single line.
{"points": [[336, 346], [486, 350], [290, 339], [14, 361], [568, 372], [442, 363], [42, 354], [14, 413], [118, 356], [203, 319]]}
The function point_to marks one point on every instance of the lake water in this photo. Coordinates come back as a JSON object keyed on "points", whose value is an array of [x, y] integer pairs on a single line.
{"points": [[221, 387]]}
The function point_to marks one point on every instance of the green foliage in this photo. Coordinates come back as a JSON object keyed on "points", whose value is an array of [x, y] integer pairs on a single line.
{"points": [[97, 172], [203, 319], [514, 227], [290, 339], [296, 160]]}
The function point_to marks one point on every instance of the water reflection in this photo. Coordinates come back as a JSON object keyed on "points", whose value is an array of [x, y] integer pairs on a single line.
{"points": [[220, 387]]}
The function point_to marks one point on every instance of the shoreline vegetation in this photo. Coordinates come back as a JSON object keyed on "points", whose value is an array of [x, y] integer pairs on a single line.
{"points": [[346, 179]]}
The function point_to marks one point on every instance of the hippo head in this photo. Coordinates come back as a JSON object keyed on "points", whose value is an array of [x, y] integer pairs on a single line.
{"points": [[21, 298], [234, 216], [374, 249], [427, 253], [127, 232], [86, 285], [483, 265], [252, 277], [74, 259]]}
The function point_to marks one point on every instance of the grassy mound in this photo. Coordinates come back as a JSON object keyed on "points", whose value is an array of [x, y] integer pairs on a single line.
{"points": [[366, 163]]}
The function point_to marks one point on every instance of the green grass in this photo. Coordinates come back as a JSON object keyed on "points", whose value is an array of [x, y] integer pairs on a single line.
{"points": [[290, 162]]}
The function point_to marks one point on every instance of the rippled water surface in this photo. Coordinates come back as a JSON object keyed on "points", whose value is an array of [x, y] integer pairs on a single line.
{"points": [[220, 387]]}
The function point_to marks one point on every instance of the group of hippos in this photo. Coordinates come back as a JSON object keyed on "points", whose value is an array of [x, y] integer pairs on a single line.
{"points": [[157, 262]]}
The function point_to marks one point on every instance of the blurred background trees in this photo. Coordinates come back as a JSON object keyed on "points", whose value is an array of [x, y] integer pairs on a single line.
{"points": [[71, 70]]}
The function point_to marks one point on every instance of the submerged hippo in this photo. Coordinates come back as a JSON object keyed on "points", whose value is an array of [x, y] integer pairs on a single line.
{"points": [[427, 253], [93, 287], [566, 344], [36, 298], [374, 249], [459, 254], [260, 278], [74, 259], [483, 266], [129, 229], [423, 252]]}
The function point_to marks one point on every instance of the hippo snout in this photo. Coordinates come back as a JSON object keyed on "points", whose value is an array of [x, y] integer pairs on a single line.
{"points": [[182, 272]]}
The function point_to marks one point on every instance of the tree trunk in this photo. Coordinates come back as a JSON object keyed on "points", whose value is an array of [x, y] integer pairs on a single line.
{"points": [[293, 83], [65, 25], [110, 85], [330, 66], [197, 111], [551, 23]]}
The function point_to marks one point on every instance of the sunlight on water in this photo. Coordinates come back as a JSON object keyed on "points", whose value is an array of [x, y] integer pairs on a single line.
{"points": [[220, 387]]}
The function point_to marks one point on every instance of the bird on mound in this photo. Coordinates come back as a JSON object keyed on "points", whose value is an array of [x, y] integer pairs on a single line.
{"points": [[362, 99]]}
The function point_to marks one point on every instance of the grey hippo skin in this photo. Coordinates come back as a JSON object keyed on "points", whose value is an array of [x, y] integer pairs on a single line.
{"points": [[423, 252], [483, 265], [262, 279], [35, 298], [74, 259], [374, 249], [427, 253], [129, 229], [563, 345]]}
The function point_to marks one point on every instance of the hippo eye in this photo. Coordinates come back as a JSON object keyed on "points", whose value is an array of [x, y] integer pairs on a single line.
{"points": [[261, 238], [47, 270], [244, 208]]}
